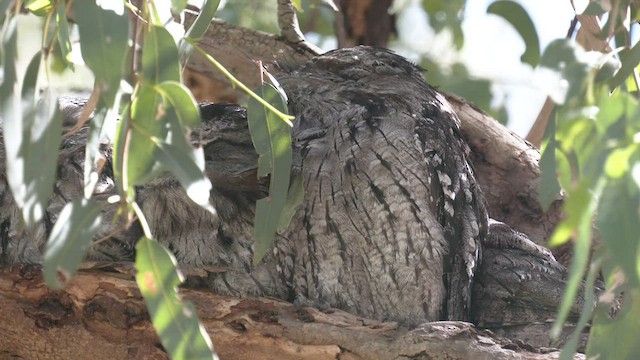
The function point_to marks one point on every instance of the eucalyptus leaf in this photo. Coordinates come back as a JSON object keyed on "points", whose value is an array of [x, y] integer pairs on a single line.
{"points": [[630, 59], [199, 26], [160, 60], [579, 208], [445, 14], [188, 166], [272, 139], [519, 18], [70, 237], [175, 320], [549, 188], [618, 222], [616, 338], [62, 33], [145, 125], [104, 37], [32, 137], [294, 199], [563, 70], [182, 101]]}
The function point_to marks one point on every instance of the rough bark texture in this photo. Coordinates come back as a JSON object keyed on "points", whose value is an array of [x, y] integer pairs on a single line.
{"points": [[101, 315], [364, 22]]}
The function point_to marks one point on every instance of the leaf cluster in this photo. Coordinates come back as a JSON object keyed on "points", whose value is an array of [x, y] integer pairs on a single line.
{"points": [[137, 69]]}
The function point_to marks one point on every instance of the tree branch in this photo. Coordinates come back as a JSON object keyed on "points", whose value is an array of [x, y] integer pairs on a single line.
{"points": [[104, 312]]}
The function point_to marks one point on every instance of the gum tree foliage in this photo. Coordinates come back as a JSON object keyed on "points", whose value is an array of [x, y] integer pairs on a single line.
{"points": [[591, 151], [156, 111]]}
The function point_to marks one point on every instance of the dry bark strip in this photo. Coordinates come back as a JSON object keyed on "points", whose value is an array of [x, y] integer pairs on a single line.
{"points": [[101, 315]]}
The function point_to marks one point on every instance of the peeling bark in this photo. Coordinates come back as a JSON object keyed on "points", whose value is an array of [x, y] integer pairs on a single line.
{"points": [[102, 315]]}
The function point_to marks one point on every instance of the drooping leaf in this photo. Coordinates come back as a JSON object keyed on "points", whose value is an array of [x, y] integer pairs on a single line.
{"points": [[294, 199], [38, 7], [92, 154], [178, 5], [182, 101], [32, 138], [144, 125], [160, 57], [570, 347], [70, 238], [616, 338], [186, 163], [549, 187], [618, 162], [579, 208], [445, 14], [562, 70], [298, 5], [618, 222], [630, 60], [4, 6], [175, 320], [199, 26], [272, 139], [104, 37], [64, 42], [519, 18]]}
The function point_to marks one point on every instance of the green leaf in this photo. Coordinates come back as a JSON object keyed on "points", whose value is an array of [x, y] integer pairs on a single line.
{"points": [[4, 6], [62, 31], [630, 59], [563, 70], [92, 147], [38, 7], [294, 199], [446, 14], [616, 338], [298, 5], [570, 347], [579, 209], [618, 162], [519, 18], [160, 60], [32, 137], [175, 320], [549, 187], [182, 101], [272, 139], [186, 163], [104, 37], [145, 124], [618, 221], [77, 224], [199, 26], [178, 5]]}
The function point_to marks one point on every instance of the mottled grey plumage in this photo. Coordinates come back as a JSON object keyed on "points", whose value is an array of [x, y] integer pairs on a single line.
{"points": [[393, 218], [392, 221]]}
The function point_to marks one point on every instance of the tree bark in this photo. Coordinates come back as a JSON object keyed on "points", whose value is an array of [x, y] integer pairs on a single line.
{"points": [[101, 315]]}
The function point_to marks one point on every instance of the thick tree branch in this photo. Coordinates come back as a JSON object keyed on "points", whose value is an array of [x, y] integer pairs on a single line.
{"points": [[103, 313]]}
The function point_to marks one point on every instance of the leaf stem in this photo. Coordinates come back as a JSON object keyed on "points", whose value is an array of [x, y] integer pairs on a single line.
{"points": [[143, 221], [286, 118]]}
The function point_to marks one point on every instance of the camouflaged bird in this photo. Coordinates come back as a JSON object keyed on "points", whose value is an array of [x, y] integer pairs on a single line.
{"points": [[392, 223]]}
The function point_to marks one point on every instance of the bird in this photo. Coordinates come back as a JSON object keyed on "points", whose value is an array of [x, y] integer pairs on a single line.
{"points": [[392, 225], [393, 217]]}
